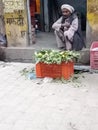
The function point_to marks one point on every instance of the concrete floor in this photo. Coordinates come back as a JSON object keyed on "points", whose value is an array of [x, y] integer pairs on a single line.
{"points": [[45, 40], [38, 105]]}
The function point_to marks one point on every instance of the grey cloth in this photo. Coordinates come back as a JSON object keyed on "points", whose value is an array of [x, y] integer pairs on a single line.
{"points": [[72, 36]]}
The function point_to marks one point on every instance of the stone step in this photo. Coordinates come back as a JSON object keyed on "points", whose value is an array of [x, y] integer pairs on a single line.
{"points": [[19, 54], [26, 54]]}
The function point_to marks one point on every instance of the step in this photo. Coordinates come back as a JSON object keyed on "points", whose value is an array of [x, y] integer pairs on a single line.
{"points": [[26, 54], [18, 54]]}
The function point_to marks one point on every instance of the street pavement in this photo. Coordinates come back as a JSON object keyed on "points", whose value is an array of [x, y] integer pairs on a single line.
{"points": [[39, 105]]}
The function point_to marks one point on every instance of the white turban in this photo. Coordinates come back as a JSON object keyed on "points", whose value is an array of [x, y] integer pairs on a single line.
{"points": [[69, 7]]}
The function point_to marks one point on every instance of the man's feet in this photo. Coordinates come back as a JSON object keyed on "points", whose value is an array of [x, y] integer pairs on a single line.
{"points": [[62, 48]]}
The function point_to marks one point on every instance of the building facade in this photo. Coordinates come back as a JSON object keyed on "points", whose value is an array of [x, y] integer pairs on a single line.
{"points": [[20, 15], [15, 16]]}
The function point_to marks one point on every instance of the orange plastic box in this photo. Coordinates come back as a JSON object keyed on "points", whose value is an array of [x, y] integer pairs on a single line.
{"points": [[48, 70], [94, 55], [65, 70]]}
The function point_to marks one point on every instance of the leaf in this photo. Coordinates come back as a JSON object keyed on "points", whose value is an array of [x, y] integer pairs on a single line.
{"points": [[54, 56]]}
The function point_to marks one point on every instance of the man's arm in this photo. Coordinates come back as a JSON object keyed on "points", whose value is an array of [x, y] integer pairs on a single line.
{"points": [[57, 24], [72, 29]]}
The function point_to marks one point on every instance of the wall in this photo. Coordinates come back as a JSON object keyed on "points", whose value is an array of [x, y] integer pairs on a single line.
{"points": [[16, 22], [2, 26], [92, 21]]}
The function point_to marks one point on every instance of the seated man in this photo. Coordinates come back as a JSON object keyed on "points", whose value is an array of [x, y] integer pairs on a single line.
{"points": [[68, 30]]}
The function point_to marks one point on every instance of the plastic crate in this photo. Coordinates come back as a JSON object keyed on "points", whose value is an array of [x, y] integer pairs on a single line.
{"points": [[94, 55], [65, 70], [48, 70]]}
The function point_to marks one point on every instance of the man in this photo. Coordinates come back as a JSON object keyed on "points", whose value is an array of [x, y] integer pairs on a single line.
{"points": [[68, 30]]}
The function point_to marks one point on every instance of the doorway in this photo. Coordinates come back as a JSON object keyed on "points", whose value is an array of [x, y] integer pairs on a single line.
{"points": [[45, 12], [35, 13], [80, 7], [39, 14]]}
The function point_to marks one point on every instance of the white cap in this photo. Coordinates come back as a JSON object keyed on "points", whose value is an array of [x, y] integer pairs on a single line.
{"points": [[69, 7]]}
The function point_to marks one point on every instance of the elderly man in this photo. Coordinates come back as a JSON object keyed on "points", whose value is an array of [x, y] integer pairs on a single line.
{"points": [[68, 30]]}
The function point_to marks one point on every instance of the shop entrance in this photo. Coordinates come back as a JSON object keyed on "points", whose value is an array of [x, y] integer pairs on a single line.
{"points": [[35, 13], [45, 12], [80, 7]]}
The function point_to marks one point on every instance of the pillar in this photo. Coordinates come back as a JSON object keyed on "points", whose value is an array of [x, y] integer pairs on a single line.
{"points": [[92, 22], [15, 15], [46, 15]]}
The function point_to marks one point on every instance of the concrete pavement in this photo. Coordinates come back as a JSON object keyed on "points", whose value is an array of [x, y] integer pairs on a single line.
{"points": [[34, 105]]}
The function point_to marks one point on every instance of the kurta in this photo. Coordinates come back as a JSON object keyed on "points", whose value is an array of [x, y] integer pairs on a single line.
{"points": [[70, 35]]}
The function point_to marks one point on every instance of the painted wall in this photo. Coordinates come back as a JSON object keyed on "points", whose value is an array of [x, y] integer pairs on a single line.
{"points": [[16, 22], [92, 21], [3, 41]]}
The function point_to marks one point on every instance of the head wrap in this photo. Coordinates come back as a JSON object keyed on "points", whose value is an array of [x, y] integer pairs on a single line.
{"points": [[69, 7]]}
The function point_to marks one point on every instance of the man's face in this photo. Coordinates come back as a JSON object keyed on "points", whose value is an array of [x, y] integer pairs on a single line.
{"points": [[66, 12]]}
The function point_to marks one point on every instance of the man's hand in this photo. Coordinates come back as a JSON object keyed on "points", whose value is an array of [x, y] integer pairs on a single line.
{"points": [[65, 25]]}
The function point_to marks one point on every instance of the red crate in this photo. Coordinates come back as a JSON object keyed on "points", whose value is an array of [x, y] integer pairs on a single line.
{"points": [[94, 55], [48, 70], [65, 70]]}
